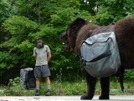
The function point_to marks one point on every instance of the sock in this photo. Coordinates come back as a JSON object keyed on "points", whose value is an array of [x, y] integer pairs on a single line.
{"points": [[37, 87], [49, 87]]}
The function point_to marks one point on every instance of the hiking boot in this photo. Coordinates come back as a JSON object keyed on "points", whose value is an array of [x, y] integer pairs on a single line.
{"points": [[37, 92], [48, 93]]}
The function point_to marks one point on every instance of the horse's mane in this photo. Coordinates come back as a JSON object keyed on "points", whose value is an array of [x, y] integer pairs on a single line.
{"points": [[75, 26], [82, 34]]}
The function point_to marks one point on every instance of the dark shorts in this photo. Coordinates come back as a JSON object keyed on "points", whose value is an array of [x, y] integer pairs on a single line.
{"points": [[42, 71]]}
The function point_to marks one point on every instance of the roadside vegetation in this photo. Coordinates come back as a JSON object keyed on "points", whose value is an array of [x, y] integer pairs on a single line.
{"points": [[66, 88]]}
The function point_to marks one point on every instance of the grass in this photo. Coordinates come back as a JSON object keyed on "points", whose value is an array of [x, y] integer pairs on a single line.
{"points": [[68, 88]]}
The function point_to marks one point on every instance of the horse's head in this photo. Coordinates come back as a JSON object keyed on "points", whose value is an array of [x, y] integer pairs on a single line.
{"points": [[65, 38], [75, 33], [70, 34]]}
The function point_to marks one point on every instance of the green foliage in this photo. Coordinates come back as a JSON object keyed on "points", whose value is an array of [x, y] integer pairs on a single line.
{"points": [[7, 60], [65, 88], [19, 28], [4, 11], [16, 82], [15, 88], [24, 21], [114, 10], [129, 75]]}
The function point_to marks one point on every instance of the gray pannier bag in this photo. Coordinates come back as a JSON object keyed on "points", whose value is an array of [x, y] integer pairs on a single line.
{"points": [[100, 55]]}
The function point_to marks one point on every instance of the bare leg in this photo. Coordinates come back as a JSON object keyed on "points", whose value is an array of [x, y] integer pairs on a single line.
{"points": [[37, 93], [48, 82], [37, 81]]}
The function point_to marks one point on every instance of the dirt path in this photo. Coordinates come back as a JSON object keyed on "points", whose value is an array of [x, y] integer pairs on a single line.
{"points": [[63, 98]]}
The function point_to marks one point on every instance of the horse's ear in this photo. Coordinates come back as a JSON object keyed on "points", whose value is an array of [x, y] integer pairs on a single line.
{"points": [[76, 25], [80, 21], [77, 22]]}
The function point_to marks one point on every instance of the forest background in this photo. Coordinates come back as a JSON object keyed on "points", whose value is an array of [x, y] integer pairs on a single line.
{"points": [[22, 21]]}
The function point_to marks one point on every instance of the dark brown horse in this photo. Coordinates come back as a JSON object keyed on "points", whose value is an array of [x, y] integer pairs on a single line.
{"points": [[80, 29]]}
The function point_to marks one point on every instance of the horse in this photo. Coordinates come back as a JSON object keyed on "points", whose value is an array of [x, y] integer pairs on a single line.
{"points": [[80, 29]]}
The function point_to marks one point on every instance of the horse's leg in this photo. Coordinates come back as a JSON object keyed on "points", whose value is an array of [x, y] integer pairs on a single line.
{"points": [[105, 82], [91, 82]]}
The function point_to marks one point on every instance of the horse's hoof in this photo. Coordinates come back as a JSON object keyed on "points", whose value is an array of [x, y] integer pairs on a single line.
{"points": [[104, 97], [86, 97]]}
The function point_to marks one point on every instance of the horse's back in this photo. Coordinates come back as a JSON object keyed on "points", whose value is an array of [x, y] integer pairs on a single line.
{"points": [[124, 30]]}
